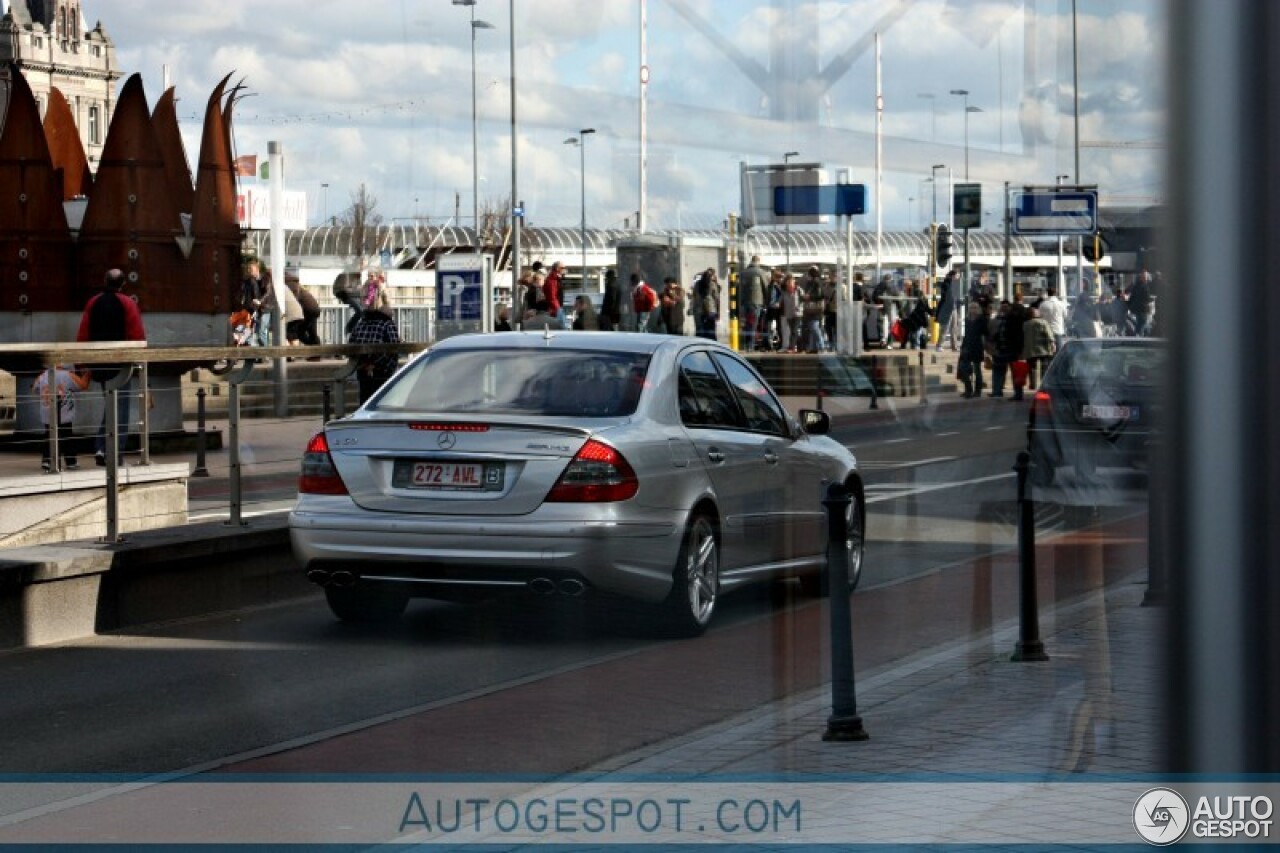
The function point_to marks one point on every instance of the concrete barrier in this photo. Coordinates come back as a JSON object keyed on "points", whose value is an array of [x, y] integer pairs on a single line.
{"points": [[41, 509], [56, 593]]}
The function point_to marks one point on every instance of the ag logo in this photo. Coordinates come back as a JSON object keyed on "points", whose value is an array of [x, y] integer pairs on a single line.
{"points": [[1161, 816]]}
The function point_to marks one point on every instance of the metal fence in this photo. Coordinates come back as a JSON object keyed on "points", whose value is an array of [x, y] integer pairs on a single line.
{"points": [[416, 323]]}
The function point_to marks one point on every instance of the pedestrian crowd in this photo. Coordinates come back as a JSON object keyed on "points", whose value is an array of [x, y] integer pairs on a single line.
{"points": [[1015, 340], [539, 303]]}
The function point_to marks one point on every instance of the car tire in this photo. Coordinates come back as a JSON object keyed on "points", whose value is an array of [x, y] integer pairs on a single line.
{"points": [[688, 608], [815, 583], [354, 604]]}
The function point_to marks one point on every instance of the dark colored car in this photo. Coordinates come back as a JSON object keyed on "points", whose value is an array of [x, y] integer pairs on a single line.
{"points": [[1097, 408]]}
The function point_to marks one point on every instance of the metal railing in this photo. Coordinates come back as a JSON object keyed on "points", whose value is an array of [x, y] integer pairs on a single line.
{"points": [[271, 446], [414, 322]]}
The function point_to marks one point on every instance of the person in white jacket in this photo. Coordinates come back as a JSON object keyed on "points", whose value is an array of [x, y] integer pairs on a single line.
{"points": [[1054, 312]]}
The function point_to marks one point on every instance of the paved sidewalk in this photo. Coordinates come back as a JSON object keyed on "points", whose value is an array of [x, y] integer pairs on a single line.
{"points": [[1094, 707]]}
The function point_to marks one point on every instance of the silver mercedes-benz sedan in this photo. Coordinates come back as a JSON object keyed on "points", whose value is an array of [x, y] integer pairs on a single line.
{"points": [[648, 467]]}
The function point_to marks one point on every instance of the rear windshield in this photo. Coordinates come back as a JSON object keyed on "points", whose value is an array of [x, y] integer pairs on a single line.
{"points": [[1087, 362], [552, 383]]}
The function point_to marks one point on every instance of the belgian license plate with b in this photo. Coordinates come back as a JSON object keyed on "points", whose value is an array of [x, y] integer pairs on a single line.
{"points": [[447, 476]]}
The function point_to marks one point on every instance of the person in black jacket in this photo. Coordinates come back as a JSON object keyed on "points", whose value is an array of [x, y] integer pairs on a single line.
{"points": [[1004, 343], [917, 323], [973, 349], [610, 317], [374, 327]]}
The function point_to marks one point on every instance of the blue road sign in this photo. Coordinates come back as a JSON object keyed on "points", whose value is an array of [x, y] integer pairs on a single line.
{"points": [[459, 295], [820, 200], [1055, 213]]}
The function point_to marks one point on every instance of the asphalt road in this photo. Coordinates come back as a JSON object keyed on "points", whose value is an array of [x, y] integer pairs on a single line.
{"points": [[534, 686]]}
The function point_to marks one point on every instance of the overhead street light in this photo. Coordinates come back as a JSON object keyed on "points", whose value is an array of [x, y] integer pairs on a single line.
{"points": [[786, 162], [967, 109], [581, 141], [933, 103], [516, 212], [933, 179], [1059, 180], [475, 131]]}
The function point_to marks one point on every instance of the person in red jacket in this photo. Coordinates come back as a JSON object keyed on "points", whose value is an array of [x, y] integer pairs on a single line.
{"points": [[552, 289], [111, 316], [643, 301]]}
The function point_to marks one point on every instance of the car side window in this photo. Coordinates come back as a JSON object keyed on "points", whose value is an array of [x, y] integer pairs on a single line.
{"points": [[758, 405], [705, 399]]}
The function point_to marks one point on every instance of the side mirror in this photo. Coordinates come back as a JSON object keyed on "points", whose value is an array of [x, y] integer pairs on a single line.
{"points": [[815, 422]]}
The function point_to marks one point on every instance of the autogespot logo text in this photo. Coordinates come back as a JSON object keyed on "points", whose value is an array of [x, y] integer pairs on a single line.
{"points": [[1160, 816]]}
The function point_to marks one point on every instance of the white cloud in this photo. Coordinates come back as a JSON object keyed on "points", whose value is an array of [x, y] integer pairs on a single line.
{"points": [[381, 92]]}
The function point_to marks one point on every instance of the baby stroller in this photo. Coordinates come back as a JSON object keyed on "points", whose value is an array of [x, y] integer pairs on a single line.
{"points": [[244, 325]]}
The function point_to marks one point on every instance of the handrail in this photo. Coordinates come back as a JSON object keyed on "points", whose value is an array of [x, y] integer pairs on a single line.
{"points": [[134, 357], [30, 357]]}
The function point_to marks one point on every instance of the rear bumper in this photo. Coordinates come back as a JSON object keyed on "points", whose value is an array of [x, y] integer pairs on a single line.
{"points": [[632, 558], [1089, 449]]}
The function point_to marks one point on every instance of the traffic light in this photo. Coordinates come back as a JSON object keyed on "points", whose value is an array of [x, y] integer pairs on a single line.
{"points": [[943, 251], [1094, 248]]}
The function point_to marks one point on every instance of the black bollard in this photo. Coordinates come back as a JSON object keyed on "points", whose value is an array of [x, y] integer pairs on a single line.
{"points": [[874, 404], [844, 724], [1029, 647], [924, 395], [818, 368], [327, 409], [1157, 591], [201, 438]]}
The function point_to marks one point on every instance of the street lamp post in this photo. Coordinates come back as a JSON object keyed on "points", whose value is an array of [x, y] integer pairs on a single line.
{"points": [[1059, 282], [581, 141], [324, 191], [964, 93], [967, 111], [475, 127], [516, 213], [933, 179], [933, 104], [786, 163]]}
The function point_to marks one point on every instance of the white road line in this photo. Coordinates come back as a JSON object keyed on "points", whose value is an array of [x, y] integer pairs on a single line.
{"points": [[993, 429], [919, 490], [885, 465], [945, 434], [897, 440]]}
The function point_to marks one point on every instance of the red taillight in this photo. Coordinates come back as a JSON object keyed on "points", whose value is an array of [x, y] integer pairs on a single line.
{"points": [[598, 474], [319, 476], [1040, 405]]}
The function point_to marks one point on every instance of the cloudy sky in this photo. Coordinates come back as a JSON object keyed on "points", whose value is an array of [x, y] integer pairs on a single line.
{"points": [[379, 92]]}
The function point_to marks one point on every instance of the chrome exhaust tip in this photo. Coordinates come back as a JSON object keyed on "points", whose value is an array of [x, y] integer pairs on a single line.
{"points": [[572, 587], [343, 578], [542, 586], [319, 577]]}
